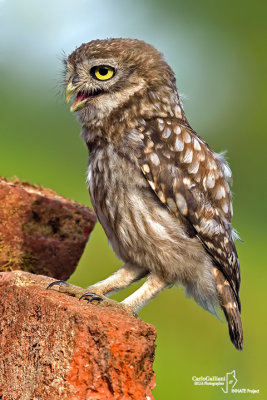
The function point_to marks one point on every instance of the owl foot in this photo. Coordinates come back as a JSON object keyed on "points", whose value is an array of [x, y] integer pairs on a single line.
{"points": [[90, 297], [65, 287], [95, 298]]}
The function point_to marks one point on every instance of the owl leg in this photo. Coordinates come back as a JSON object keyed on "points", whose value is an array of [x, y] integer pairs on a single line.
{"points": [[150, 289], [132, 304], [122, 278]]}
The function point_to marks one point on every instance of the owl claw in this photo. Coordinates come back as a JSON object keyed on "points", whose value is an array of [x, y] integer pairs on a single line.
{"points": [[92, 297], [65, 287], [89, 297], [75, 291], [59, 283]]}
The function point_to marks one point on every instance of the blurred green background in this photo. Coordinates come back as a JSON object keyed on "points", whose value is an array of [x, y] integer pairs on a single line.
{"points": [[218, 52]]}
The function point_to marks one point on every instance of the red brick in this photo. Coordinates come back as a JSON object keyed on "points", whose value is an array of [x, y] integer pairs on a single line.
{"points": [[40, 231], [54, 347]]}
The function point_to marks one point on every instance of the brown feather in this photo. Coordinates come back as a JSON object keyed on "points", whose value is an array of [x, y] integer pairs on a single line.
{"points": [[230, 308], [160, 192]]}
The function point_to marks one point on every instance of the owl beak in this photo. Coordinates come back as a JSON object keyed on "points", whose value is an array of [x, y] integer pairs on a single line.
{"points": [[70, 91], [80, 100]]}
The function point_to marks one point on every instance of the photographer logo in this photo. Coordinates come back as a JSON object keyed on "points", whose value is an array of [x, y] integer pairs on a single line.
{"points": [[227, 383]]}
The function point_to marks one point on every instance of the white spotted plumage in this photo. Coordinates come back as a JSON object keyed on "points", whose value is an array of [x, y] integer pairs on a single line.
{"points": [[200, 192], [160, 192]]}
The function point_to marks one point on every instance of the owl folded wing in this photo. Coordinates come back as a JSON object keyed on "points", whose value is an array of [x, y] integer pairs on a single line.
{"points": [[191, 181]]}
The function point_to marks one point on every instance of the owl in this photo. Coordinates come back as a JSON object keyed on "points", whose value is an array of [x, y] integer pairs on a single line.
{"points": [[159, 191]]}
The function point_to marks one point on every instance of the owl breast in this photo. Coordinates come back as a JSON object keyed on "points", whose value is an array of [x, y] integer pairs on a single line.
{"points": [[140, 229]]}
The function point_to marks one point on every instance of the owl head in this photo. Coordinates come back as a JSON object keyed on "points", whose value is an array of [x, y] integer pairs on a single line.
{"points": [[118, 74]]}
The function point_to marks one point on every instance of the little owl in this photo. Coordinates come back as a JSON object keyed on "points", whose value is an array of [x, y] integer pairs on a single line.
{"points": [[159, 191]]}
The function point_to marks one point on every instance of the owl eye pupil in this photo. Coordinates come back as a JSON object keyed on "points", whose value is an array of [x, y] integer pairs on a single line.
{"points": [[103, 71]]}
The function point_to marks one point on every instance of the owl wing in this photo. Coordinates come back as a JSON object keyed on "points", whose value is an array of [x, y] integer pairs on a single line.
{"points": [[191, 180]]}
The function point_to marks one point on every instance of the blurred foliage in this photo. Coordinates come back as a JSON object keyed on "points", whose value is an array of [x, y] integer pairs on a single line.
{"points": [[218, 51]]}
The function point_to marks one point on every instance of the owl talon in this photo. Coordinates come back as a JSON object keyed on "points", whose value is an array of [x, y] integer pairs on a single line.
{"points": [[59, 283], [65, 287], [90, 297]]}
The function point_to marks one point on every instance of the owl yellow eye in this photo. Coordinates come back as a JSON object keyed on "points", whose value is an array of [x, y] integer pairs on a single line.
{"points": [[102, 72]]}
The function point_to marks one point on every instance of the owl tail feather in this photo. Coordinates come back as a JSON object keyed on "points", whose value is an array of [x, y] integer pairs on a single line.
{"points": [[230, 308]]}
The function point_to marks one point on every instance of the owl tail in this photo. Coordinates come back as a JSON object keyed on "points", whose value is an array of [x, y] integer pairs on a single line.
{"points": [[230, 307]]}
